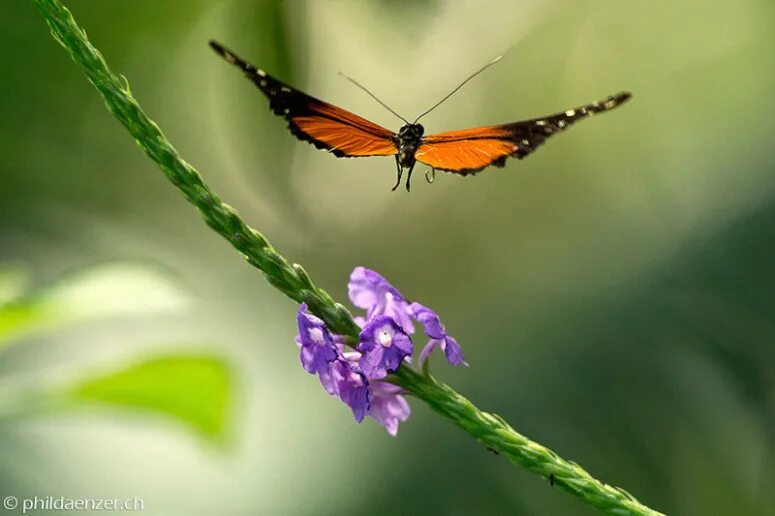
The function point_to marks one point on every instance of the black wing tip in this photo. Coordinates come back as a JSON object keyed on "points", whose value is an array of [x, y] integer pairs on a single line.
{"points": [[613, 101], [620, 98], [230, 56], [219, 49]]}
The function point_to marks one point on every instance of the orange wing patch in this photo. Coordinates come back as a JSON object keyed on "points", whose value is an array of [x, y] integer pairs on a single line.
{"points": [[337, 113], [341, 132], [491, 131], [465, 156], [349, 140]]}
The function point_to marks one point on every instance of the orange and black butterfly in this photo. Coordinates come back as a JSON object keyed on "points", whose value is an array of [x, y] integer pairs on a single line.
{"points": [[463, 152]]}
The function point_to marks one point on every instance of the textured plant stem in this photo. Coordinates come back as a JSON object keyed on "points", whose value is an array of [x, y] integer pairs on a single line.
{"points": [[496, 434], [294, 282]]}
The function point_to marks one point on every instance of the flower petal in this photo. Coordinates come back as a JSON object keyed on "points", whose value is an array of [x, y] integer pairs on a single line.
{"points": [[402, 342], [330, 379], [438, 335], [382, 356], [371, 362], [388, 407], [362, 292], [391, 359], [353, 390], [316, 343], [399, 310], [370, 291], [428, 349], [429, 319], [359, 402], [453, 352], [367, 288]]}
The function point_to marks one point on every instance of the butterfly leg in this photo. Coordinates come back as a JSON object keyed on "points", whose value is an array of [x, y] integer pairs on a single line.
{"points": [[400, 172], [409, 177]]}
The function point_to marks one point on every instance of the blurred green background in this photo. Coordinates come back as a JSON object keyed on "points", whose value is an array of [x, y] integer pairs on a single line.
{"points": [[613, 293]]}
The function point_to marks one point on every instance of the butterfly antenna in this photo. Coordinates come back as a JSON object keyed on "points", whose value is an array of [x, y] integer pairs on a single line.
{"points": [[361, 86], [480, 70]]}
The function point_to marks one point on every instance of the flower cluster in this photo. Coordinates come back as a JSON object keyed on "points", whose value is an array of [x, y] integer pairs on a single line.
{"points": [[356, 376]]}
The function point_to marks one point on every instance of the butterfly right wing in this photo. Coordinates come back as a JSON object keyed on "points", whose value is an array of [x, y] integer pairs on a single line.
{"points": [[326, 126], [470, 150]]}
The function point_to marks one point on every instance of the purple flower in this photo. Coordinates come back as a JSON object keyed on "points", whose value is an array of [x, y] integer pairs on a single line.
{"points": [[317, 344], [438, 334], [333, 374], [384, 345], [350, 385], [379, 400], [329, 377], [388, 406], [373, 293]]}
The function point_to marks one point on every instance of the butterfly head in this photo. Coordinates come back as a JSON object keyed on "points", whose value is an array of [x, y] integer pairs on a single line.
{"points": [[411, 132]]}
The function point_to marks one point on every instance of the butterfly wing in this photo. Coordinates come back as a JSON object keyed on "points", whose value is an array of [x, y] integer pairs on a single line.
{"points": [[326, 126], [470, 150]]}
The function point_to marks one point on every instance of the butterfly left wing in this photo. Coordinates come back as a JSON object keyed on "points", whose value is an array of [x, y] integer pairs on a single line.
{"points": [[470, 150], [326, 126]]}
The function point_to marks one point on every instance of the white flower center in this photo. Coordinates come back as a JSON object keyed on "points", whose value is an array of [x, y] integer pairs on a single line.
{"points": [[385, 336], [316, 334]]}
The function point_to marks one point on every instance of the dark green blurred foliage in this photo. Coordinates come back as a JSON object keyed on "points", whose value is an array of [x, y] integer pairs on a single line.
{"points": [[613, 292]]}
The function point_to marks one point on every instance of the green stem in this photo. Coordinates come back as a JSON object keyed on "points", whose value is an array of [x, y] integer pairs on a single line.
{"points": [[294, 282], [496, 434]]}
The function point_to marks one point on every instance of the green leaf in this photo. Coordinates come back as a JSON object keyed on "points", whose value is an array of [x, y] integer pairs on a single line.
{"points": [[106, 291], [195, 390], [21, 318]]}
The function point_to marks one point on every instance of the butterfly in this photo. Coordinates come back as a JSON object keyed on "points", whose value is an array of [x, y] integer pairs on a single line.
{"points": [[464, 152]]}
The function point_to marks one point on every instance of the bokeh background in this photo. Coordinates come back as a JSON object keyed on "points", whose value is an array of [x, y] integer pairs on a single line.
{"points": [[613, 293]]}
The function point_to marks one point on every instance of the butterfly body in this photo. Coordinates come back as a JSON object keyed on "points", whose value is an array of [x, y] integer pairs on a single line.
{"points": [[409, 140], [463, 152]]}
